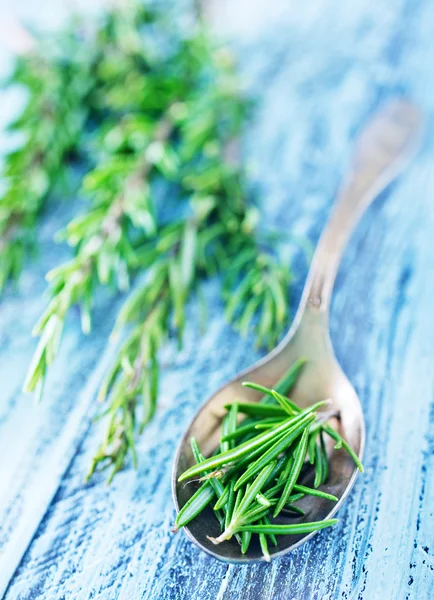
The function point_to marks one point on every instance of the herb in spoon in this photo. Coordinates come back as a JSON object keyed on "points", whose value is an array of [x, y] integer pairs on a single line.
{"points": [[253, 477]]}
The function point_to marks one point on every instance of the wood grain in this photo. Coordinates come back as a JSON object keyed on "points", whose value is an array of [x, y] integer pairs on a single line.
{"points": [[318, 69]]}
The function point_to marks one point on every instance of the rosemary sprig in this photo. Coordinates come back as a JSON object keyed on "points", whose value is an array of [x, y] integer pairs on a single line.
{"points": [[56, 82], [255, 290], [104, 252], [264, 471], [163, 111], [122, 210]]}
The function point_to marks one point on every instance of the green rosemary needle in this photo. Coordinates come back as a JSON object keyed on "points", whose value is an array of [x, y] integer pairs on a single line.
{"points": [[254, 409], [222, 501], [195, 505], [341, 443], [299, 455], [264, 546], [246, 536], [296, 528]]}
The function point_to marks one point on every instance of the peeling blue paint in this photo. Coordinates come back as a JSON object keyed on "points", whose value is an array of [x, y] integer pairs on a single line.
{"points": [[318, 70]]}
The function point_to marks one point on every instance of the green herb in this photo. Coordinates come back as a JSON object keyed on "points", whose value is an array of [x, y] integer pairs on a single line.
{"points": [[195, 505], [264, 546], [294, 529], [249, 428], [222, 501], [262, 474], [283, 386], [341, 443], [266, 521], [311, 492], [299, 456], [246, 536], [56, 80], [254, 409], [295, 497], [228, 427], [295, 509], [146, 106]]}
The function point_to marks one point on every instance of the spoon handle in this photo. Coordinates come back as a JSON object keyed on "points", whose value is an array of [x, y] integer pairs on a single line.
{"points": [[383, 149]]}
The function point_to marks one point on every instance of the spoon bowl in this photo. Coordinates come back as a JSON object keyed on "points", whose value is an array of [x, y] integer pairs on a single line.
{"points": [[382, 151]]}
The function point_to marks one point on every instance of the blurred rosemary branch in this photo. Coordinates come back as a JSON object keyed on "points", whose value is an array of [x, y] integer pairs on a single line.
{"points": [[149, 103], [57, 83]]}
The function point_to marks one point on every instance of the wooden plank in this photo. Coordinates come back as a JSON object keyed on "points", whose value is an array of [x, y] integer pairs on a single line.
{"points": [[319, 71], [38, 442]]}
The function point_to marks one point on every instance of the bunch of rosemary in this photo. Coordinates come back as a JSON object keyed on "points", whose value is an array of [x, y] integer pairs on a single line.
{"points": [[153, 113], [256, 473]]}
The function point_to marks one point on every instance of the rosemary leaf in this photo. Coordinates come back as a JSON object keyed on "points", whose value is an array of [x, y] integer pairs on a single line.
{"points": [[293, 529]]}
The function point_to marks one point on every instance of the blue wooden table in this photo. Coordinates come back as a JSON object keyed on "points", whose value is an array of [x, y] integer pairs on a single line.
{"points": [[317, 69]]}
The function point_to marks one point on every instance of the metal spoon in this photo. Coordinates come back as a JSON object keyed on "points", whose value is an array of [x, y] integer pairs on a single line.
{"points": [[382, 151]]}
